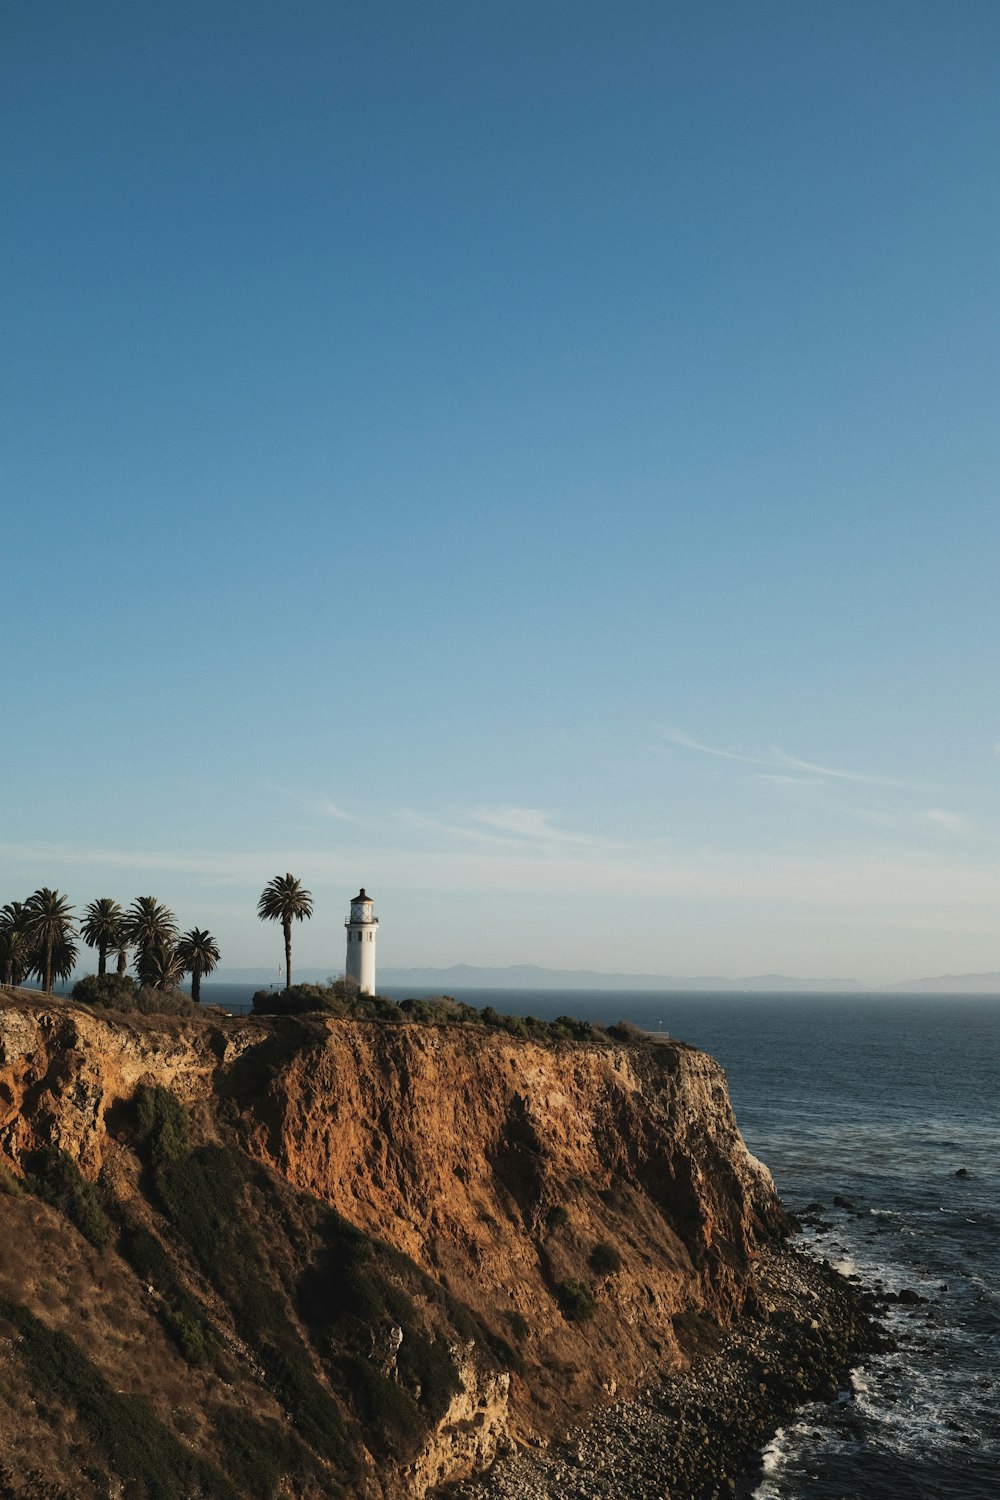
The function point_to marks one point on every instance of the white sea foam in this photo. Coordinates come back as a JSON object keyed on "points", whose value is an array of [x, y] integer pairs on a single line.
{"points": [[782, 1459], [773, 1459], [846, 1265]]}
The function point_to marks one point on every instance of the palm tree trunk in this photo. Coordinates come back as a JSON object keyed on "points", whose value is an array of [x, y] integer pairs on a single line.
{"points": [[102, 958], [122, 960], [48, 966], [287, 928], [196, 985]]}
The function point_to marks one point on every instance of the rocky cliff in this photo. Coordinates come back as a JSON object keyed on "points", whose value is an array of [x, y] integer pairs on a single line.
{"points": [[309, 1256]]}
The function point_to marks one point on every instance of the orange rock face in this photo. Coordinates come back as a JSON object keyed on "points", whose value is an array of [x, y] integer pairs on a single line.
{"points": [[498, 1165]]}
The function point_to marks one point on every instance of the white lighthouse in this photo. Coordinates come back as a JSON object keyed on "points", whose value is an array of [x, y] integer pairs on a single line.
{"points": [[361, 925]]}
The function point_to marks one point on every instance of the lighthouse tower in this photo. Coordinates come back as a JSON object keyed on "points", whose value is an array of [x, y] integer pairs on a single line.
{"points": [[361, 927]]}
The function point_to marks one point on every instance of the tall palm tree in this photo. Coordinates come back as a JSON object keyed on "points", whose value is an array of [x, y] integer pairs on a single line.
{"points": [[159, 965], [15, 945], [285, 900], [102, 929], [49, 922], [199, 953], [146, 925]]}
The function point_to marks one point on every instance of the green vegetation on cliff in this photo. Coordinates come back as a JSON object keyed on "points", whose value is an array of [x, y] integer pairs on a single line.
{"points": [[341, 998]]}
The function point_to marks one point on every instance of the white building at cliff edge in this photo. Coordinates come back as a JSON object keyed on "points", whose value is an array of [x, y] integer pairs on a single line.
{"points": [[361, 928]]}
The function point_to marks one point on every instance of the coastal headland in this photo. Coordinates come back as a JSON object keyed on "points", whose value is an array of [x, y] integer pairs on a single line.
{"points": [[312, 1256]]}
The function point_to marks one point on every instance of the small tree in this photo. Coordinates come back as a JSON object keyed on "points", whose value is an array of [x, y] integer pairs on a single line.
{"points": [[49, 924], [199, 953], [15, 944], [148, 925], [285, 900], [102, 929], [159, 966]]}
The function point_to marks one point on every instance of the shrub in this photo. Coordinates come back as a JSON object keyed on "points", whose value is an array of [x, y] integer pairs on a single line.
{"points": [[439, 1010], [291, 1377], [136, 1447], [388, 1415], [346, 1288], [179, 1313], [339, 998], [120, 992], [604, 1259], [556, 1216], [260, 1454], [575, 1301], [506, 1356], [57, 1180], [579, 1031], [376, 1008], [297, 1000], [172, 1002], [113, 991], [626, 1033], [203, 1193], [10, 1185], [163, 1124], [426, 1363]]}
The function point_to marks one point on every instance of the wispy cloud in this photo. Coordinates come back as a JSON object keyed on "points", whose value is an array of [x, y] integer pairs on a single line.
{"points": [[526, 829], [777, 758], [954, 822], [781, 778], [525, 823], [214, 866], [320, 807], [810, 768], [328, 809], [678, 737], [907, 822]]}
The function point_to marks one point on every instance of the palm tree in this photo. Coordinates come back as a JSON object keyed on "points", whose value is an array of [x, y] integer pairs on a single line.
{"points": [[64, 956], [49, 922], [15, 945], [199, 953], [146, 925], [285, 900], [158, 965], [102, 929]]}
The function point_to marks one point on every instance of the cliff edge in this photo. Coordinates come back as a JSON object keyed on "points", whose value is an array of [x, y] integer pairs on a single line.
{"points": [[376, 1254]]}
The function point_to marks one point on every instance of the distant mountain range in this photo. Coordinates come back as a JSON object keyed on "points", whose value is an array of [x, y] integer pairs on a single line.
{"points": [[952, 984], [534, 977]]}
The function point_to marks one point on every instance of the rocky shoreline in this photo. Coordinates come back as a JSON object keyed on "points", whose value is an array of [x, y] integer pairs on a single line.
{"points": [[698, 1434]]}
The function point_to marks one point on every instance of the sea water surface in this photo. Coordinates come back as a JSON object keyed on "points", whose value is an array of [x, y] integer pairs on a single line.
{"points": [[878, 1100]]}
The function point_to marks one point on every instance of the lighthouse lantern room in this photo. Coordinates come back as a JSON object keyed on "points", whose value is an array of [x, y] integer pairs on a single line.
{"points": [[361, 927]]}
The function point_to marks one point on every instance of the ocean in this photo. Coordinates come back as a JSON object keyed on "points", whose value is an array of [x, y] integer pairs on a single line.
{"points": [[878, 1101]]}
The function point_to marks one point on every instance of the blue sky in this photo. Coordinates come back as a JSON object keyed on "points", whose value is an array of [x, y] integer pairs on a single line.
{"points": [[538, 461]]}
